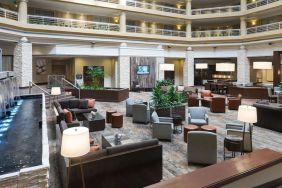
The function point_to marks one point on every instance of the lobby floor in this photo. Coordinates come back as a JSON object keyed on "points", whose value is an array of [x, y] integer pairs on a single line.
{"points": [[174, 152]]}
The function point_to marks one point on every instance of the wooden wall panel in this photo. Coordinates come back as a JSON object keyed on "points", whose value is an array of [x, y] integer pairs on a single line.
{"points": [[147, 80]]}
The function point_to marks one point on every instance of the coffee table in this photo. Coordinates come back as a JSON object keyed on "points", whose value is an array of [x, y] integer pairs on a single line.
{"points": [[108, 140], [96, 123]]}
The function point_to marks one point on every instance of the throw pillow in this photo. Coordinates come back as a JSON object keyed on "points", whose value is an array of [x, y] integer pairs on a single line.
{"points": [[68, 116], [155, 117], [73, 114], [83, 104], [91, 103]]}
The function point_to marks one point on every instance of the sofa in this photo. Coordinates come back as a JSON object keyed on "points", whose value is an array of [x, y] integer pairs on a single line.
{"points": [[129, 165]]}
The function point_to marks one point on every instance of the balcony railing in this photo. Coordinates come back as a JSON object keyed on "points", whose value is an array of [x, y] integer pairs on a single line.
{"points": [[8, 14], [216, 33], [166, 32], [264, 28], [140, 4], [62, 22], [216, 10], [109, 1], [260, 3]]}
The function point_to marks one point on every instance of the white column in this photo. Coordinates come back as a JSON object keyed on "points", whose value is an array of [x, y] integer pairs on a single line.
{"points": [[189, 7], [160, 73], [243, 66], [188, 68], [122, 22], [189, 29], [123, 68], [23, 62], [23, 11], [154, 5], [243, 26], [143, 26], [153, 28], [243, 5], [122, 2]]}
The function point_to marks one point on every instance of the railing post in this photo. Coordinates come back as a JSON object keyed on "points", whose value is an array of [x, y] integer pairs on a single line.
{"points": [[30, 87]]}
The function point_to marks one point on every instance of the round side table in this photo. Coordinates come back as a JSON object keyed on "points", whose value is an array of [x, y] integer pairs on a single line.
{"points": [[117, 120], [208, 128], [109, 115], [189, 128]]}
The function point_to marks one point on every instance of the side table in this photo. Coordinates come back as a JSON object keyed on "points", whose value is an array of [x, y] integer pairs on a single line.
{"points": [[234, 144]]}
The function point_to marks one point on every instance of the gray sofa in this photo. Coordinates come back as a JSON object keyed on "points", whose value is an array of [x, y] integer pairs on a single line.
{"points": [[202, 147], [162, 127], [198, 116], [141, 113]]}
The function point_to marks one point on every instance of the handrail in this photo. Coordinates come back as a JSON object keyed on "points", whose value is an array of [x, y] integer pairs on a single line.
{"points": [[5, 13], [263, 28], [64, 80], [216, 33], [44, 91], [166, 32], [214, 10], [259, 3]]}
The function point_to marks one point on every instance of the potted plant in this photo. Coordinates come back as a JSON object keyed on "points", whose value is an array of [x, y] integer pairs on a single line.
{"points": [[96, 74]]}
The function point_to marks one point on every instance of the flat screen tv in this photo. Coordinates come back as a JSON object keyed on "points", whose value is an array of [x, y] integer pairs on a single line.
{"points": [[143, 69]]}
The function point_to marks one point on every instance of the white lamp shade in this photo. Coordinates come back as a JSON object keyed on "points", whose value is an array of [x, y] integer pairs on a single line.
{"points": [[262, 65], [247, 114], [167, 67], [225, 67], [55, 91], [75, 142], [201, 66]]}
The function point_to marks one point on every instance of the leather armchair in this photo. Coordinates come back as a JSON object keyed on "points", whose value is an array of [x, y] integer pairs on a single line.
{"points": [[192, 100], [141, 113], [198, 116], [237, 130], [234, 102], [202, 147], [217, 105], [207, 95], [162, 127]]}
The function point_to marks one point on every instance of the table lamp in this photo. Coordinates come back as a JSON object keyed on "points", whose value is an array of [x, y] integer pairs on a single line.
{"points": [[247, 114], [55, 91], [75, 143]]}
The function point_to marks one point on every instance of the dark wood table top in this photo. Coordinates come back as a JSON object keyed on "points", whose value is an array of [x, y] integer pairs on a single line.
{"points": [[225, 172]]}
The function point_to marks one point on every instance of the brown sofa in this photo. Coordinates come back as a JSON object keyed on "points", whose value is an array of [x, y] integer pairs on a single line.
{"points": [[130, 165], [217, 105]]}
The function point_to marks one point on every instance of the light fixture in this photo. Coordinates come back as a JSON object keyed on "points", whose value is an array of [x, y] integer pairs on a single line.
{"points": [[262, 65], [225, 67], [167, 67], [116, 19], [75, 143], [201, 66], [55, 91], [178, 27]]}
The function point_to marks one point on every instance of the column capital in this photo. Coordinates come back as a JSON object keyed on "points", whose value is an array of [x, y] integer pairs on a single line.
{"points": [[189, 48], [189, 22], [24, 40]]}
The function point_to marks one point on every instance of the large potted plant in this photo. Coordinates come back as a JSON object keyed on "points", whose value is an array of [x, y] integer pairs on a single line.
{"points": [[96, 74]]}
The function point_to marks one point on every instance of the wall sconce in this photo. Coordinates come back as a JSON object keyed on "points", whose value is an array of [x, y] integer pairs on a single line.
{"points": [[116, 19], [254, 22], [178, 27], [178, 5]]}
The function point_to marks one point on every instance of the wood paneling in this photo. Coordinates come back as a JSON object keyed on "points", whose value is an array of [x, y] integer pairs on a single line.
{"points": [[146, 80]]}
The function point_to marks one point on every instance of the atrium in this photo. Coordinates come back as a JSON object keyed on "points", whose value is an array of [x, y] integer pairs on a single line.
{"points": [[140, 93]]}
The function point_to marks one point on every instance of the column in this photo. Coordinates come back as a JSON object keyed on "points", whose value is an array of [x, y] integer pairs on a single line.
{"points": [[143, 26], [153, 28], [122, 22], [189, 29], [23, 62], [188, 68], [277, 67], [243, 26], [122, 2], [243, 5], [23, 11], [160, 73], [123, 68], [243, 66], [189, 7], [154, 7]]}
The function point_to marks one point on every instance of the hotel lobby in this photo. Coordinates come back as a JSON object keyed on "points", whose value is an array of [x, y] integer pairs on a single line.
{"points": [[140, 93]]}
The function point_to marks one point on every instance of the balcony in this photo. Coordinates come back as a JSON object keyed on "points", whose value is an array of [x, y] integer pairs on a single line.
{"points": [[260, 3], [139, 4], [72, 23], [216, 33], [8, 14], [109, 1], [146, 30], [264, 28], [216, 10]]}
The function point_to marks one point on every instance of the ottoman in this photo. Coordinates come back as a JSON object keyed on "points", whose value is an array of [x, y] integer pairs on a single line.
{"points": [[117, 120], [188, 128], [109, 115]]}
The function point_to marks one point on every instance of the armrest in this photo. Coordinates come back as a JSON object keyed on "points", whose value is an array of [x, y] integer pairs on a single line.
{"points": [[166, 119], [73, 124], [163, 125], [207, 118], [189, 118], [234, 126], [236, 132]]}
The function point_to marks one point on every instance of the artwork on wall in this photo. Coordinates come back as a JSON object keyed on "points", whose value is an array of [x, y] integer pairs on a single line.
{"points": [[41, 67]]}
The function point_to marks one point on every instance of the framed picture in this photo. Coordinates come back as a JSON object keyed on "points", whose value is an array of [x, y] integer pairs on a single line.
{"points": [[41, 67]]}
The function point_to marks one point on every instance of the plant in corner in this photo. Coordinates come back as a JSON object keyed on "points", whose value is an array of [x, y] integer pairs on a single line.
{"points": [[96, 73]]}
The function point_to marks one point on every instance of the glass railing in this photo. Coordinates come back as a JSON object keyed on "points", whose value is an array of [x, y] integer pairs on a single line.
{"points": [[166, 32], [216, 33], [260, 3], [146, 5], [216, 10], [109, 1], [264, 28], [8, 14], [62, 22]]}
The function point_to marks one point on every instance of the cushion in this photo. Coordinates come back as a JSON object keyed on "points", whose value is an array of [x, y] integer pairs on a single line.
{"points": [[73, 103], [206, 93], [91, 103], [81, 111], [197, 112], [155, 117], [68, 116], [94, 148], [198, 122], [73, 114], [83, 104], [64, 104], [90, 156]]}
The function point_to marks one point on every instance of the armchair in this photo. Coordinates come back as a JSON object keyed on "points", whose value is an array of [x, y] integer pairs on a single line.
{"points": [[192, 100], [237, 130], [198, 116], [162, 127], [129, 103], [234, 102], [217, 105], [141, 113], [207, 95], [202, 147]]}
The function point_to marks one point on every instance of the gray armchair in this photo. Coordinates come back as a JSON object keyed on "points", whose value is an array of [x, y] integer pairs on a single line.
{"points": [[202, 147], [140, 113], [162, 127], [237, 130], [198, 116], [129, 103]]}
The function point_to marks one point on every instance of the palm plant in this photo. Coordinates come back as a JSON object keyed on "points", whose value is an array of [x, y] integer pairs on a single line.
{"points": [[96, 74]]}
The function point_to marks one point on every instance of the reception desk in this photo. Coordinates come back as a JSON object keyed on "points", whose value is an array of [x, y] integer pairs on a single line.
{"points": [[249, 92]]}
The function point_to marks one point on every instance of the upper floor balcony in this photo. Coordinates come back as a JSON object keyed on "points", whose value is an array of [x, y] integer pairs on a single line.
{"points": [[259, 3], [265, 28], [8, 14], [109, 1], [217, 10], [156, 31], [216, 33]]}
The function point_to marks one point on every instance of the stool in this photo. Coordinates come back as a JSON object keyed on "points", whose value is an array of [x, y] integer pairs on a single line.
{"points": [[189, 128], [117, 120], [208, 128], [109, 115], [234, 144]]}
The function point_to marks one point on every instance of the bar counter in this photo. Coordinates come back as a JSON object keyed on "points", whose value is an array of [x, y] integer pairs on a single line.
{"points": [[249, 92]]}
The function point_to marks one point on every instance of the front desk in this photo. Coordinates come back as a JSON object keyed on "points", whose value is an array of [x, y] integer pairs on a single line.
{"points": [[249, 92]]}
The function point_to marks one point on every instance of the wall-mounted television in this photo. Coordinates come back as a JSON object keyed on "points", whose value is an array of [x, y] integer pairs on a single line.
{"points": [[143, 69]]}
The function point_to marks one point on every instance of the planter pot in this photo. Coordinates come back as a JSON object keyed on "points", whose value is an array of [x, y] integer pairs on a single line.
{"points": [[165, 112]]}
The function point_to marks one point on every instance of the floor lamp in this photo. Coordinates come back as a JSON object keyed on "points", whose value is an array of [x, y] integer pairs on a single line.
{"points": [[75, 143], [247, 114]]}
